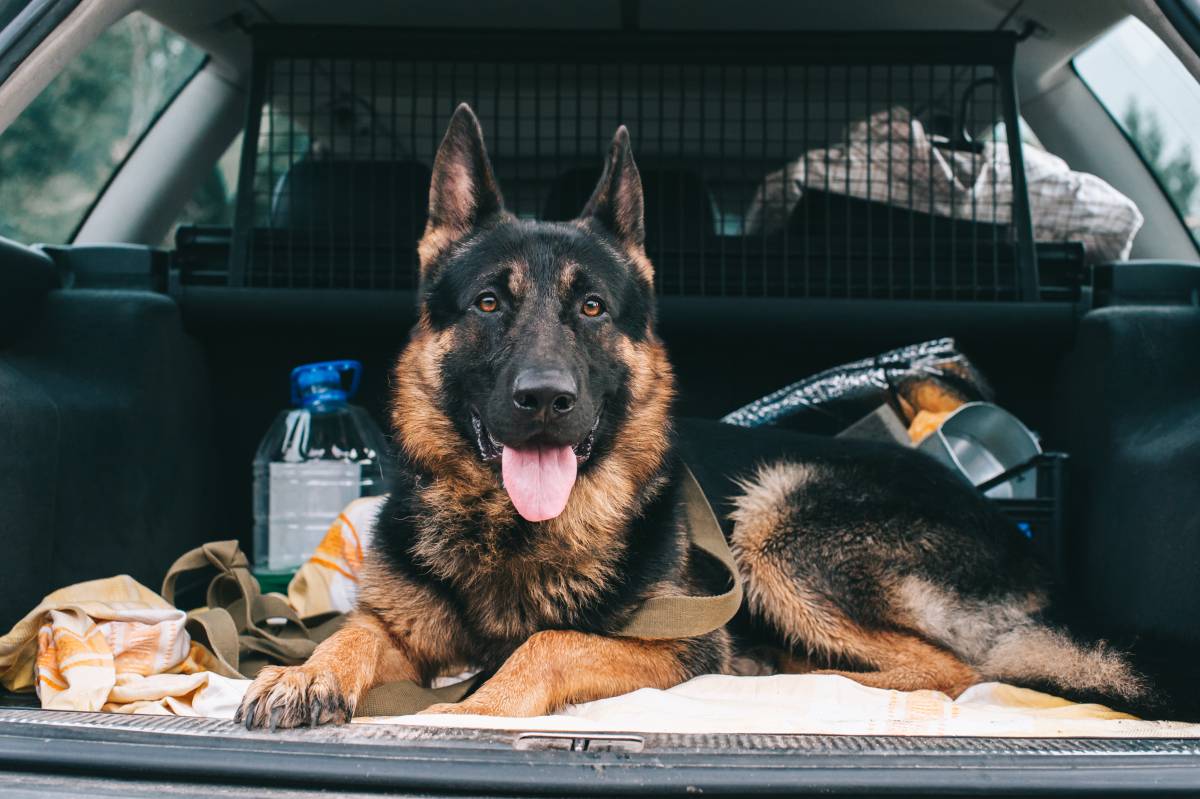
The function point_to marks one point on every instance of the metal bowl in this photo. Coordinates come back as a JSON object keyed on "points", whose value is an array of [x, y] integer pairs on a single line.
{"points": [[981, 440]]}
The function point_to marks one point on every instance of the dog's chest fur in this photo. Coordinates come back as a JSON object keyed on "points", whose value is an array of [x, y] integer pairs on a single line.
{"points": [[510, 578]]}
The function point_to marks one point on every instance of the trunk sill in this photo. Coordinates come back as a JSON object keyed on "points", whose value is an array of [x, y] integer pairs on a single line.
{"points": [[490, 762]]}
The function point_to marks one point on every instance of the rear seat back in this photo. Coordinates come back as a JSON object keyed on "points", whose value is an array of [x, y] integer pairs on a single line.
{"points": [[341, 223], [354, 197], [864, 248]]}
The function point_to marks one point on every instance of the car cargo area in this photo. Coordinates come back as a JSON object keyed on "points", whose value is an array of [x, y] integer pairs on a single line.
{"points": [[136, 379]]}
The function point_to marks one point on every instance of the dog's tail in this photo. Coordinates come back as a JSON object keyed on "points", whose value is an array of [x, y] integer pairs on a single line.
{"points": [[1038, 655], [1004, 639]]}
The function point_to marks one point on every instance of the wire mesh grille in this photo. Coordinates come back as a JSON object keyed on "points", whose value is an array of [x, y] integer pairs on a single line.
{"points": [[767, 178]]}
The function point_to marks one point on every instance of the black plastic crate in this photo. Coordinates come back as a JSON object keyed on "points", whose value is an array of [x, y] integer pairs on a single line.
{"points": [[1042, 518]]}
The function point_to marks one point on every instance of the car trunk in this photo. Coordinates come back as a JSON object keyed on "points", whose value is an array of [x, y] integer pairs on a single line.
{"points": [[135, 383]]}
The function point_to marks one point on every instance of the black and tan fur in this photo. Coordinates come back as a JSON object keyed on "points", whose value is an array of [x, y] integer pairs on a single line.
{"points": [[871, 560]]}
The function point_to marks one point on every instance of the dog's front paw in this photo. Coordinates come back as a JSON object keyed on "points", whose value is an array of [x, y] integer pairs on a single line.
{"points": [[293, 696]]}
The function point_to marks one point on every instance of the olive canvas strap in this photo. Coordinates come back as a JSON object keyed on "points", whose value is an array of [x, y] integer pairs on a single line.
{"points": [[243, 628], [683, 616], [405, 697]]}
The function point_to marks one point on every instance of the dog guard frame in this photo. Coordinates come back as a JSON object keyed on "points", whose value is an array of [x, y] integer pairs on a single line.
{"points": [[342, 127]]}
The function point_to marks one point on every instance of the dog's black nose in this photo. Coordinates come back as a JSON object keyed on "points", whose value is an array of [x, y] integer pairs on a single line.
{"points": [[549, 391]]}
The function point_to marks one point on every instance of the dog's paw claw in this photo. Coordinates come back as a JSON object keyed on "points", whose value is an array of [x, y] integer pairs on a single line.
{"points": [[245, 714], [282, 698]]}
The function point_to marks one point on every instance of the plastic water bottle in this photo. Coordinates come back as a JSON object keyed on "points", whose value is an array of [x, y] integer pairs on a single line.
{"points": [[317, 457]]}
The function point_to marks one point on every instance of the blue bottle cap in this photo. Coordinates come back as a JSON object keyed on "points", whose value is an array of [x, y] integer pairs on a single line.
{"points": [[323, 383]]}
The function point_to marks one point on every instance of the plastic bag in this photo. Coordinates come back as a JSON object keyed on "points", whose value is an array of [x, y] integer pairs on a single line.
{"points": [[931, 376]]}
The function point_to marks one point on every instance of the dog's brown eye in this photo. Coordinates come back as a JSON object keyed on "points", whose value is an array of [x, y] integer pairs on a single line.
{"points": [[592, 307], [487, 302]]}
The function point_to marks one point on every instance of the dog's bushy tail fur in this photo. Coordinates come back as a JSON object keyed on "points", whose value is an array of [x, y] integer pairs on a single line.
{"points": [[1037, 654], [1004, 639]]}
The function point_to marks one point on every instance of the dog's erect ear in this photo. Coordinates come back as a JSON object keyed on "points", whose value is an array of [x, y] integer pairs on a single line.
{"points": [[616, 204], [463, 193]]}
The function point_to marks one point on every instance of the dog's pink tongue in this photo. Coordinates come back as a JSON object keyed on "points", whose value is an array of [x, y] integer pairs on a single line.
{"points": [[539, 479]]}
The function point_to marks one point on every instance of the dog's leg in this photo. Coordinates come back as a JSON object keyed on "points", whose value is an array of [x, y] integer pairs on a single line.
{"points": [[328, 686], [905, 663], [810, 624], [901, 660], [558, 667], [779, 576]]}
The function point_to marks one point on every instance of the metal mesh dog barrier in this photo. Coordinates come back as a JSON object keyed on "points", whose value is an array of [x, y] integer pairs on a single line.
{"points": [[797, 165]]}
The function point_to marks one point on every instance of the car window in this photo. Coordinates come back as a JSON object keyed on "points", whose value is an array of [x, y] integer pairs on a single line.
{"points": [[1156, 101], [57, 156]]}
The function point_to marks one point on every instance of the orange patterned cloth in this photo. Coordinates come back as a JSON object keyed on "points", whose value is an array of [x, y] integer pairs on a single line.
{"points": [[114, 645], [328, 581]]}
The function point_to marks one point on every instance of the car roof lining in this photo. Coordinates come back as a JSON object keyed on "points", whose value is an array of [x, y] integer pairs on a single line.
{"points": [[221, 27], [1060, 29]]}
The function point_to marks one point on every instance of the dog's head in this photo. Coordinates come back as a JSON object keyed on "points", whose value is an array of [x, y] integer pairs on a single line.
{"points": [[534, 364]]}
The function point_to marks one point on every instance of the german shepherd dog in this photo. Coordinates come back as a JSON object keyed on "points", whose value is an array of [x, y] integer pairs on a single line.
{"points": [[538, 503]]}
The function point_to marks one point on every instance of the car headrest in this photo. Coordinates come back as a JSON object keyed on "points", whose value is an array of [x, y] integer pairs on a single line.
{"points": [[678, 205], [353, 197]]}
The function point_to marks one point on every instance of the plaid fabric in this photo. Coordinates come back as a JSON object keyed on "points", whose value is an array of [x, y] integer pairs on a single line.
{"points": [[889, 158]]}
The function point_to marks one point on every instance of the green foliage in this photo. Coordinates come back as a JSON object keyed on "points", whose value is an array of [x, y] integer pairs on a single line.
{"points": [[59, 152], [1177, 172]]}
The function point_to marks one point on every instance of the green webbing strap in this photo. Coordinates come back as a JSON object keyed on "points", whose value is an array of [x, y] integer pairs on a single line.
{"points": [[679, 616], [235, 625], [244, 629], [404, 697], [214, 628]]}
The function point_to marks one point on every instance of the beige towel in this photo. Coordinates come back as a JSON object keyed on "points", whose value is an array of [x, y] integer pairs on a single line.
{"points": [[114, 644]]}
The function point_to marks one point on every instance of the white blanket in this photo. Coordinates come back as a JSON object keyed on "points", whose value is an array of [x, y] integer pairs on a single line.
{"points": [[826, 704]]}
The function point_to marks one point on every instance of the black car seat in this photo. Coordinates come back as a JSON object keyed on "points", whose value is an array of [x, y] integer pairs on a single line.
{"points": [[352, 197]]}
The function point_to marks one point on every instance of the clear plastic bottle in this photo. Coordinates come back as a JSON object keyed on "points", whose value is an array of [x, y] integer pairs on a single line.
{"points": [[317, 457]]}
